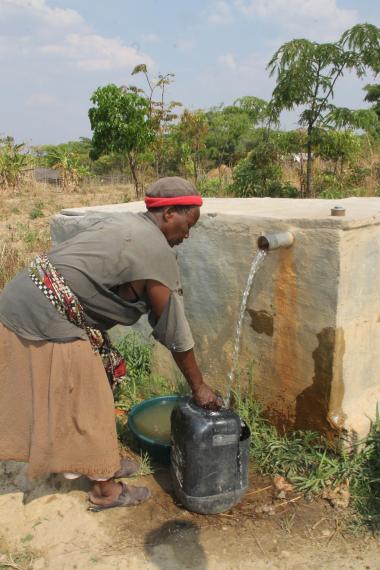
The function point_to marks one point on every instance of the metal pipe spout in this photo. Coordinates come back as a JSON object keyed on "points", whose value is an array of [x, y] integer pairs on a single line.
{"points": [[269, 242]]}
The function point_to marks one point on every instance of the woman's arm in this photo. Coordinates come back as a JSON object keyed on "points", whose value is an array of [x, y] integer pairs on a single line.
{"points": [[203, 395]]}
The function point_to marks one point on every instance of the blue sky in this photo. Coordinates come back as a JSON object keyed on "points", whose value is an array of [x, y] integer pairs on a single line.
{"points": [[55, 53]]}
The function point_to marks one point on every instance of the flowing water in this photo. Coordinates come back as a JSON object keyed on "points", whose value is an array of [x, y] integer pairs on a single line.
{"points": [[256, 262], [154, 422]]}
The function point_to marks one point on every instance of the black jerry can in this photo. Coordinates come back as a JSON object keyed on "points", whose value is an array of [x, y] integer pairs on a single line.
{"points": [[209, 457]]}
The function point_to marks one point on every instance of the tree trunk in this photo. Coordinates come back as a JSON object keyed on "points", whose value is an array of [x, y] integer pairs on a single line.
{"points": [[195, 167], [132, 166], [309, 170]]}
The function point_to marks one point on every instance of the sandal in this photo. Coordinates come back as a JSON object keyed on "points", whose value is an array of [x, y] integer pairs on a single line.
{"points": [[127, 468], [129, 497]]}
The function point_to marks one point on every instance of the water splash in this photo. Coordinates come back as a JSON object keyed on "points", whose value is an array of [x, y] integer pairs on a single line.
{"points": [[256, 262]]}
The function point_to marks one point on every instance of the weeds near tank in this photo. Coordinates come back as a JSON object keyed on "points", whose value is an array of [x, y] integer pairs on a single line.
{"points": [[140, 383], [137, 354], [366, 487], [145, 466], [314, 466]]}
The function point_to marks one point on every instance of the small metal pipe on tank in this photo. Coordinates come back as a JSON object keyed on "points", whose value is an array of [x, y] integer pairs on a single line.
{"points": [[269, 242]]}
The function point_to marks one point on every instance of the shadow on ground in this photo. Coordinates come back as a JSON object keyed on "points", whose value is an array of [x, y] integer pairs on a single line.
{"points": [[179, 540], [13, 479]]}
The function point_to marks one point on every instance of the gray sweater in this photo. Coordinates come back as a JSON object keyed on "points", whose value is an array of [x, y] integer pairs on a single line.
{"points": [[112, 251]]}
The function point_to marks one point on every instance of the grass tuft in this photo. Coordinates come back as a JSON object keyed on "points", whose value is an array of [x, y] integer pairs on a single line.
{"points": [[19, 561], [145, 465]]}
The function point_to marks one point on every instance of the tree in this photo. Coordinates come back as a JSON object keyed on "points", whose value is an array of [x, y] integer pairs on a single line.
{"points": [[373, 96], [226, 126], [232, 129], [260, 173], [120, 123], [340, 147], [257, 109], [14, 162], [161, 114], [307, 73], [192, 132]]}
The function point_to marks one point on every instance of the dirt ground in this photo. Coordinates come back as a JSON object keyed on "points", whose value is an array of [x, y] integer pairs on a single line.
{"points": [[45, 525]]}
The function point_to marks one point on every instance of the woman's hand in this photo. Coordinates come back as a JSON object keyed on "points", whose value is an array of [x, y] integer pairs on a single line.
{"points": [[205, 397]]}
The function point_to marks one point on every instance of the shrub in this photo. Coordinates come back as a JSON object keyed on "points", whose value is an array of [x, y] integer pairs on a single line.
{"points": [[212, 187], [260, 173]]}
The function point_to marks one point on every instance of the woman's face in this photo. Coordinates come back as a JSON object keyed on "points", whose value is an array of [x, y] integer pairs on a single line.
{"points": [[176, 226]]}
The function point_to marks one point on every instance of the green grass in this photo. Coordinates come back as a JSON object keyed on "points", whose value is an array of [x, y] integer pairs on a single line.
{"points": [[36, 211], [140, 383]]}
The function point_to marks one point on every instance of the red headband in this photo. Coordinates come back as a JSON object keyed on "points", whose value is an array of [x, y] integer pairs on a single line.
{"points": [[192, 200]]}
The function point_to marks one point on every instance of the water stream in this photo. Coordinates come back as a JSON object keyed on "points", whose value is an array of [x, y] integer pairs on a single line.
{"points": [[256, 262]]}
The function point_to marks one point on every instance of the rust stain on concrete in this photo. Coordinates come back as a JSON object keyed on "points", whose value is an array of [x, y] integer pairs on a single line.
{"points": [[285, 329], [261, 322], [320, 405]]}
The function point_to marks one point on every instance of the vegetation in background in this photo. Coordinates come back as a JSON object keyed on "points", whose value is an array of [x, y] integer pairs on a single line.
{"points": [[120, 123], [24, 219], [36, 211], [22, 242], [191, 134], [68, 163], [307, 73], [214, 187], [138, 133], [373, 96], [161, 114], [15, 161], [260, 174]]}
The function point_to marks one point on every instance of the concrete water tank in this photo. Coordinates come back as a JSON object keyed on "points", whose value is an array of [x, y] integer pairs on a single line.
{"points": [[312, 324]]}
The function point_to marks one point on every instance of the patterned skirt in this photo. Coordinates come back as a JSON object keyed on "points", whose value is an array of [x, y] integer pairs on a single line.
{"points": [[56, 408]]}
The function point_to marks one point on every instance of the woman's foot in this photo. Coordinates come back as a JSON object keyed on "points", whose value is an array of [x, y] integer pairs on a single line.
{"points": [[108, 494], [105, 492], [127, 468]]}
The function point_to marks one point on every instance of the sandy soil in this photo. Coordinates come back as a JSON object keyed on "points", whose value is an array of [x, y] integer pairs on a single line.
{"points": [[45, 525]]}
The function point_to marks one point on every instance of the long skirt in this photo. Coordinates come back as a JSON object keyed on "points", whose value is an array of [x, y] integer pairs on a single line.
{"points": [[56, 408]]}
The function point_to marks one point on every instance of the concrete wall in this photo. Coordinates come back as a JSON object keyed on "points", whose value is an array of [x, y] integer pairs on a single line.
{"points": [[358, 317], [312, 324]]}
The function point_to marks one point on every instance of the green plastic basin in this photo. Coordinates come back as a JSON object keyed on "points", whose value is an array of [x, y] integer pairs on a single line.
{"points": [[157, 450]]}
